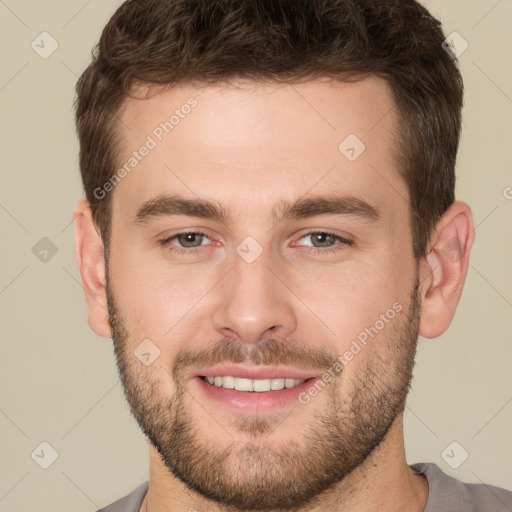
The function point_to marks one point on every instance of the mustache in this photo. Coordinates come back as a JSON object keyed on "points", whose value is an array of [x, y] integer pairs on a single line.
{"points": [[268, 352]]}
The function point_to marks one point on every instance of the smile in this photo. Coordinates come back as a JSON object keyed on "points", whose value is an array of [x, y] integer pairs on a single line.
{"points": [[257, 385]]}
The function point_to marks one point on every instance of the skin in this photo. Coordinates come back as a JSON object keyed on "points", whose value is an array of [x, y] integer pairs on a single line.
{"points": [[250, 146]]}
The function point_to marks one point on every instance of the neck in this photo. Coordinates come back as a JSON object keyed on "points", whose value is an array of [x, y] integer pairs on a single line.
{"points": [[383, 483]]}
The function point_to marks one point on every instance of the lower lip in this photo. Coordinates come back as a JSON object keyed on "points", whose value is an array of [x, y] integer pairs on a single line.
{"points": [[254, 401]]}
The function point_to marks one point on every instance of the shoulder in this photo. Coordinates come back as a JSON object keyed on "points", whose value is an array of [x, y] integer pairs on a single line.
{"points": [[449, 494], [129, 503]]}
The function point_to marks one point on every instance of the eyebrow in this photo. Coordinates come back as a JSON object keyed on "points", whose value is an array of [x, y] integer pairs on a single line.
{"points": [[304, 207]]}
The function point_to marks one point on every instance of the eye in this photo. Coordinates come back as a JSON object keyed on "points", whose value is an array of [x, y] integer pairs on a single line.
{"points": [[323, 241], [189, 242], [186, 242]]}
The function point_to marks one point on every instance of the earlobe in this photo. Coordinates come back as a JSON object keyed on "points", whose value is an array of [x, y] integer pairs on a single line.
{"points": [[444, 269], [90, 255]]}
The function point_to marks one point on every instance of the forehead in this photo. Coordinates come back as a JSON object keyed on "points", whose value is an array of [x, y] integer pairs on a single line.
{"points": [[251, 145]]}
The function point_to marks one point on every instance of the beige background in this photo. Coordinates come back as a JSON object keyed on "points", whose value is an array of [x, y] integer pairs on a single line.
{"points": [[59, 382]]}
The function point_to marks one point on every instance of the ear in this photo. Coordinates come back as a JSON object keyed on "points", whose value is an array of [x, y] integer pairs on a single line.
{"points": [[90, 256], [444, 269]]}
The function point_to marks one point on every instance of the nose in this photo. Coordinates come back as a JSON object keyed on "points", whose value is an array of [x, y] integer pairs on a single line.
{"points": [[253, 303]]}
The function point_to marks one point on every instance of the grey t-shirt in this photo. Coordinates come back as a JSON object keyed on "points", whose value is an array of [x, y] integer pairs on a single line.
{"points": [[446, 494]]}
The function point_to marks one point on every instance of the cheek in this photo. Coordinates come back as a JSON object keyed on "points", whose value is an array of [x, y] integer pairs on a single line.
{"points": [[156, 301], [337, 302], [349, 297]]}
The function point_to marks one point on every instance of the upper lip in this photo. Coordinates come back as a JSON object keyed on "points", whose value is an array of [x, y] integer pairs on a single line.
{"points": [[255, 372]]}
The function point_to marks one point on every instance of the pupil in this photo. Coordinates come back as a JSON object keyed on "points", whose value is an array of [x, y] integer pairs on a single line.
{"points": [[190, 238], [320, 237]]}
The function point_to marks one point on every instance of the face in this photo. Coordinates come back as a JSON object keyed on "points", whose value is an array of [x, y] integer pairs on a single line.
{"points": [[254, 240]]}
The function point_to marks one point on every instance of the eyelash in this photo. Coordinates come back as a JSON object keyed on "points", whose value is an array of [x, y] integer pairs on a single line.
{"points": [[166, 243]]}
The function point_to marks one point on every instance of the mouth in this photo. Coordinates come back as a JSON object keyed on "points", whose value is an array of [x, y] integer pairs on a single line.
{"points": [[253, 390], [253, 385]]}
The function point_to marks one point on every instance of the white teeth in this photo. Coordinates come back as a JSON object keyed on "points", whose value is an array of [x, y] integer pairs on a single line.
{"points": [[228, 382], [261, 385], [243, 384], [277, 384], [289, 383], [258, 385]]}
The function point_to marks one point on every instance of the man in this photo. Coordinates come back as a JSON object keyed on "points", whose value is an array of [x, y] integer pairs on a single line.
{"points": [[270, 223]]}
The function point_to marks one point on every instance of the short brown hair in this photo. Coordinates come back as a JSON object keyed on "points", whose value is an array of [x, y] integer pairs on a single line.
{"points": [[177, 41]]}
